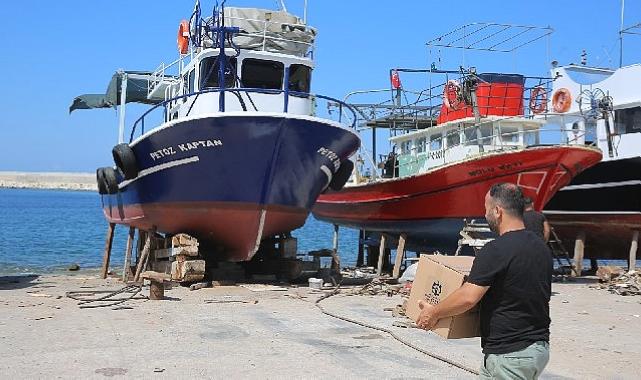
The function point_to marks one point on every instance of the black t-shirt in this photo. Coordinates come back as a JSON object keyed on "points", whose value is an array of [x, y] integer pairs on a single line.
{"points": [[533, 221], [515, 310]]}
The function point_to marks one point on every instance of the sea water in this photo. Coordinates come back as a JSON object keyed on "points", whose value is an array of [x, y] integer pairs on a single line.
{"points": [[45, 231]]}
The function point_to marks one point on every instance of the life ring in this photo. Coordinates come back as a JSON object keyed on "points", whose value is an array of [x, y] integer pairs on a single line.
{"points": [[125, 160], [183, 37], [561, 100], [538, 100], [342, 175], [451, 92]]}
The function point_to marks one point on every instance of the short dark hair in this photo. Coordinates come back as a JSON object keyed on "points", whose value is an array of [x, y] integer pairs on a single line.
{"points": [[527, 201], [510, 197]]}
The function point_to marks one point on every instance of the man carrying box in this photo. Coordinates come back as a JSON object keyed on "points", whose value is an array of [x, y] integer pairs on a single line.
{"points": [[511, 277]]}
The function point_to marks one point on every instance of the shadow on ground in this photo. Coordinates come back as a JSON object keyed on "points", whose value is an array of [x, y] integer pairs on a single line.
{"points": [[17, 282]]}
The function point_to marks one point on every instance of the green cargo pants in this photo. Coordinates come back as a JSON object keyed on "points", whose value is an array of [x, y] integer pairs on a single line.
{"points": [[525, 364]]}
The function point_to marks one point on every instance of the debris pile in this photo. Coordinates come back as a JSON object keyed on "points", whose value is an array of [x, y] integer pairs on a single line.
{"points": [[617, 281]]}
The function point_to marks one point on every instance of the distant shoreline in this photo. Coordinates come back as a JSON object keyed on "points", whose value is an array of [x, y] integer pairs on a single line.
{"points": [[48, 180]]}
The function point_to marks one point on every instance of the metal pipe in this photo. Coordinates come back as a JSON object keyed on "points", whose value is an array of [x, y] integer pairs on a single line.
{"points": [[121, 109]]}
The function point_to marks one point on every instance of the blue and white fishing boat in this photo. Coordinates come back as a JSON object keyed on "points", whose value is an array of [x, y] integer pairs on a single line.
{"points": [[239, 153]]}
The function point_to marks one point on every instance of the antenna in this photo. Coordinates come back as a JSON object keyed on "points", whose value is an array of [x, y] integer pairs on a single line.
{"points": [[621, 36]]}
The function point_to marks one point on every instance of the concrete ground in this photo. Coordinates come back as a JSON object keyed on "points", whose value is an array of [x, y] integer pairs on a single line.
{"points": [[233, 332]]}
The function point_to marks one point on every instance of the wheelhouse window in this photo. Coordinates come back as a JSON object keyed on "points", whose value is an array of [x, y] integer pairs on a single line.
{"points": [[420, 144], [509, 134], [453, 138], [258, 73], [627, 120], [406, 146], [486, 135], [436, 142], [209, 73], [300, 77]]}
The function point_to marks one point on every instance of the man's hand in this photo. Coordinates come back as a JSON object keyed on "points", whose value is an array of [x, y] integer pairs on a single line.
{"points": [[428, 317]]}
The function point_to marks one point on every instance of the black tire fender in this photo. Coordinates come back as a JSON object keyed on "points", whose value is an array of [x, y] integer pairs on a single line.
{"points": [[110, 180], [100, 180], [125, 160], [342, 175]]}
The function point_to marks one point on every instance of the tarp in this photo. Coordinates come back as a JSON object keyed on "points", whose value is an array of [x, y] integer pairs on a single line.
{"points": [[137, 89], [261, 29]]}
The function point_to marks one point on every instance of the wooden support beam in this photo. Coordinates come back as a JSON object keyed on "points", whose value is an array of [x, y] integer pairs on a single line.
{"points": [[126, 270], [579, 248], [107, 253], [633, 250], [360, 259], [336, 261], [381, 253], [144, 255], [400, 254]]}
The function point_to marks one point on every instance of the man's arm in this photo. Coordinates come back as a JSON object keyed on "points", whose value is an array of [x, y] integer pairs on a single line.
{"points": [[546, 231], [462, 300]]}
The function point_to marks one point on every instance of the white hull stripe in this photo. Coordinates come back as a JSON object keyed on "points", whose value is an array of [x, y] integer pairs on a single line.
{"points": [[601, 185], [157, 168], [329, 175], [259, 233]]}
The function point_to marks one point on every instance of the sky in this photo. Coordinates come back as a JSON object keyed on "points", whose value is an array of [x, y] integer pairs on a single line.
{"points": [[54, 51]]}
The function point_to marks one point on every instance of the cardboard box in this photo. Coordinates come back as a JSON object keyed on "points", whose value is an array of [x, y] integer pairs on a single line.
{"points": [[436, 278]]}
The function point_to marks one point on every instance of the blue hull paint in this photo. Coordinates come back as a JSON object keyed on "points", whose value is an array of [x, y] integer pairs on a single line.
{"points": [[262, 160]]}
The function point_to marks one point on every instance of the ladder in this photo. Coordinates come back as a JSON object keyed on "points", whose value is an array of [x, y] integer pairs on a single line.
{"points": [[474, 234], [560, 254]]}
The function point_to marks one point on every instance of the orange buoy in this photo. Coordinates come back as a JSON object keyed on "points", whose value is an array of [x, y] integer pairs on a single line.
{"points": [[451, 92], [538, 99], [183, 37], [561, 100]]}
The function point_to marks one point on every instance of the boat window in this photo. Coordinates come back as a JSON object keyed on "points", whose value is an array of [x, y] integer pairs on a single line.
{"points": [[531, 138], [406, 146], [420, 145], [190, 81], [486, 135], [509, 134], [627, 120], [453, 138], [436, 142], [209, 73], [258, 73], [299, 78]]}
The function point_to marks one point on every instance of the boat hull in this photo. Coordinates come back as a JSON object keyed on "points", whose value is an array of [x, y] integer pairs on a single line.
{"points": [[604, 202], [230, 180], [431, 207]]}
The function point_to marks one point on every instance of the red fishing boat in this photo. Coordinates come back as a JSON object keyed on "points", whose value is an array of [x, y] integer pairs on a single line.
{"points": [[439, 171]]}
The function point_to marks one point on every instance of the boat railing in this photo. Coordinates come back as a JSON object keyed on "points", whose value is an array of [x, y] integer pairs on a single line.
{"points": [[345, 111], [159, 80]]}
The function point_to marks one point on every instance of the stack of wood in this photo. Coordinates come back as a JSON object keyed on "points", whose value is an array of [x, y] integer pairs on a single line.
{"points": [[618, 281], [186, 265]]}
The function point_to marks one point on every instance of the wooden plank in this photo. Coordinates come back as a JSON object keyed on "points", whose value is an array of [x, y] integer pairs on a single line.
{"points": [[361, 249], [400, 254], [126, 270], [579, 248], [107, 253], [142, 262], [336, 261], [381, 253], [633, 251], [156, 276]]}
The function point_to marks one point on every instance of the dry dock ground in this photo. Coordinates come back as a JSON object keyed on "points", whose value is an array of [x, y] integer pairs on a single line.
{"points": [[232, 332]]}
